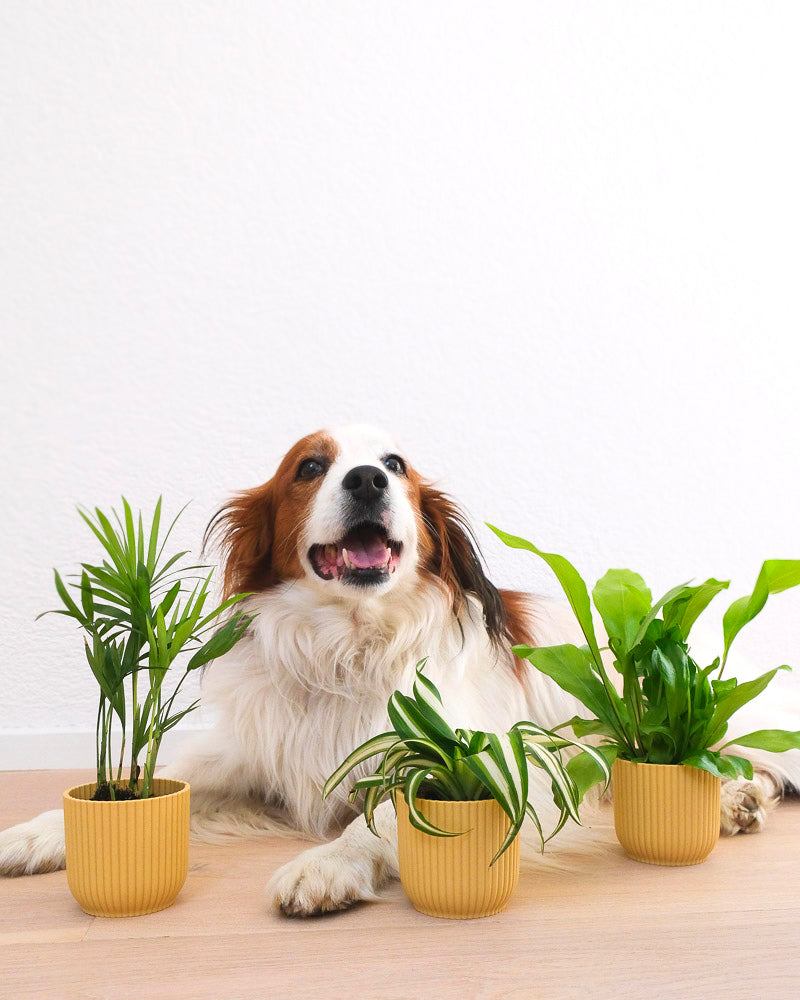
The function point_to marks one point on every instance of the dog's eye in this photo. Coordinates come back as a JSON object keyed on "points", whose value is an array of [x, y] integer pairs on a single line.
{"points": [[310, 469], [395, 464]]}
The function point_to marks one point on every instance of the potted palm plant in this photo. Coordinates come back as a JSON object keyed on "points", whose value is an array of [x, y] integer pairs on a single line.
{"points": [[461, 797], [127, 833], [664, 723]]}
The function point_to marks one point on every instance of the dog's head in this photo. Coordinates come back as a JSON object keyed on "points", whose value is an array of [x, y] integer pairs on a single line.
{"points": [[348, 513]]}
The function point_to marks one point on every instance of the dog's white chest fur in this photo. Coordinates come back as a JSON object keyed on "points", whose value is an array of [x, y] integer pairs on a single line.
{"points": [[312, 682]]}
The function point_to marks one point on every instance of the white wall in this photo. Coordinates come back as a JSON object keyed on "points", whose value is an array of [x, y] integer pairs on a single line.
{"points": [[553, 246]]}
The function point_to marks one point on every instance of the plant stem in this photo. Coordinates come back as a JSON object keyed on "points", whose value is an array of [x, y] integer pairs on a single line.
{"points": [[103, 752], [109, 728], [152, 749], [611, 695], [121, 757], [133, 777], [98, 755], [150, 765]]}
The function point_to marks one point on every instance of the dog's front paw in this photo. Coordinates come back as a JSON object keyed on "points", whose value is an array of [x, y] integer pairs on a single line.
{"points": [[34, 847], [324, 879], [745, 804]]}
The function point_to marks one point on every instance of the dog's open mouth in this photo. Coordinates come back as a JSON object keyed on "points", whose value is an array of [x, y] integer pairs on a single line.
{"points": [[364, 555]]}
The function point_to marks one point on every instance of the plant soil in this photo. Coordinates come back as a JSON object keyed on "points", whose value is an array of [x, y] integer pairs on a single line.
{"points": [[103, 793]]}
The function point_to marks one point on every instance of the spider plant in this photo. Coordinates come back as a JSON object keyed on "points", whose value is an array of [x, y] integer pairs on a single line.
{"points": [[140, 609], [670, 710], [427, 759]]}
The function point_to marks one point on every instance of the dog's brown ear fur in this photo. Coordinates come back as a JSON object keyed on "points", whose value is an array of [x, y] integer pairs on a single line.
{"points": [[244, 529], [452, 554]]}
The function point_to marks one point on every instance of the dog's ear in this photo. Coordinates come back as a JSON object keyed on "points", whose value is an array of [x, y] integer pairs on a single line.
{"points": [[244, 528], [453, 555]]}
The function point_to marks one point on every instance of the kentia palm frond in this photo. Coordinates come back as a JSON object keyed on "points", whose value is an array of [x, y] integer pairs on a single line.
{"points": [[136, 621]]}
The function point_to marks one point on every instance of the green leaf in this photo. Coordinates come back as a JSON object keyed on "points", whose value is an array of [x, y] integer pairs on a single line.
{"points": [[774, 740], [373, 797], [509, 753], [410, 721], [731, 703], [571, 582], [494, 777], [87, 599], [722, 688], [221, 642], [213, 615], [586, 772], [531, 813], [721, 766], [72, 608], [477, 741], [376, 745], [429, 704], [130, 533], [503, 770], [597, 754], [623, 599], [172, 720], [571, 668], [775, 576], [166, 539], [669, 660], [653, 612], [682, 611], [169, 599], [510, 837], [413, 782], [111, 545], [567, 793], [587, 727], [153, 544], [740, 765]]}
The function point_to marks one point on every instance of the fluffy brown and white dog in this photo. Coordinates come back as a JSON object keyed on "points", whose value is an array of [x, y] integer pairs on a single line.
{"points": [[358, 568]]}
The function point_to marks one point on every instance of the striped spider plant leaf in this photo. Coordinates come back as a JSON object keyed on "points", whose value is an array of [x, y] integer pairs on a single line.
{"points": [[411, 719], [534, 734], [530, 812], [413, 781], [373, 797], [376, 745], [562, 782], [424, 754], [429, 704]]}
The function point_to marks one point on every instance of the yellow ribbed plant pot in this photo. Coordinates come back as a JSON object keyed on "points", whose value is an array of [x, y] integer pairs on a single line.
{"points": [[665, 814], [450, 876], [127, 858]]}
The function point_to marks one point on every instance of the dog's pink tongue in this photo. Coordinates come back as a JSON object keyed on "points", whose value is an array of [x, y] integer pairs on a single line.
{"points": [[365, 550]]}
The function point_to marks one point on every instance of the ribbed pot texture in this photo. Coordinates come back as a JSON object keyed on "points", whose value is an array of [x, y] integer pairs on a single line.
{"points": [[127, 858], [665, 814], [450, 876]]}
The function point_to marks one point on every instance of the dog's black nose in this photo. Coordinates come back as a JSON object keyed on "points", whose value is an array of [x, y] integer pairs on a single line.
{"points": [[366, 482]]}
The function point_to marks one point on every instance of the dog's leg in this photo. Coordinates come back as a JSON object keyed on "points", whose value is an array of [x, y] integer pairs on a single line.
{"points": [[34, 847], [333, 876]]}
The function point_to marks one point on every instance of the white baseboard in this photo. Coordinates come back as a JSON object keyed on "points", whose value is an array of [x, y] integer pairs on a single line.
{"points": [[60, 751]]}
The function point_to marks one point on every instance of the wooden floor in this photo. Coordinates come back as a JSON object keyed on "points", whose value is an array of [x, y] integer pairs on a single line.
{"points": [[608, 927]]}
